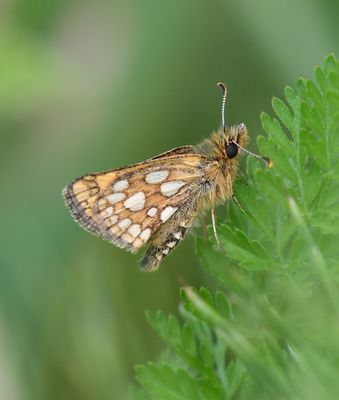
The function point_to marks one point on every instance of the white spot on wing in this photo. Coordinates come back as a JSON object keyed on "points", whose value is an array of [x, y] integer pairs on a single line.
{"points": [[171, 244], [107, 212], [128, 238], [112, 220], [157, 176], [171, 188], [102, 204], [177, 235], [165, 251], [145, 234], [115, 197], [167, 213], [120, 185], [134, 230], [115, 230], [137, 243], [135, 202], [152, 211], [124, 224]]}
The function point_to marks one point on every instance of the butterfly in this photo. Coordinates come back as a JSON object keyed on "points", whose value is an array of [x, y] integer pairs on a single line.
{"points": [[154, 202]]}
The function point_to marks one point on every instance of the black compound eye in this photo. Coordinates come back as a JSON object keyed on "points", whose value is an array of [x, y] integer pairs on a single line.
{"points": [[231, 150]]}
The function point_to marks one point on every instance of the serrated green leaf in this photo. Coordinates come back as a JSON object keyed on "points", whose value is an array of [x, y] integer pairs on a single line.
{"points": [[276, 134], [315, 147], [296, 252], [314, 94], [333, 210], [321, 79], [313, 118], [329, 63], [283, 163], [157, 320], [249, 253], [236, 373], [328, 197], [138, 394], [334, 78], [164, 383], [222, 304], [268, 183], [283, 112], [167, 327], [332, 98], [206, 355], [326, 222], [188, 339], [290, 96], [214, 261], [206, 295], [174, 330]]}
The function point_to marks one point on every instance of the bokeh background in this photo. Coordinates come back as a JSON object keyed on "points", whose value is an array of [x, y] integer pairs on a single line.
{"points": [[92, 85]]}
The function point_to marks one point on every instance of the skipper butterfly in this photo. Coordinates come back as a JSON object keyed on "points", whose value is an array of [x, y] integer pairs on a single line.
{"points": [[155, 202]]}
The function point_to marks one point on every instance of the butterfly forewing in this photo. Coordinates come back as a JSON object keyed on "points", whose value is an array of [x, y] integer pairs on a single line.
{"points": [[128, 205]]}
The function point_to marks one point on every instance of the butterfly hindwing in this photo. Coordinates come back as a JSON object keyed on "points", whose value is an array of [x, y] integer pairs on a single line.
{"points": [[169, 235]]}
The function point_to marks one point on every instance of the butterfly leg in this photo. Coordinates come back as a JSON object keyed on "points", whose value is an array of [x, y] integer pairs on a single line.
{"points": [[237, 203], [215, 229]]}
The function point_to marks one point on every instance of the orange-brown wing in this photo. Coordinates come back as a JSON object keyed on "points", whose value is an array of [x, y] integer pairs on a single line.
{"points": [[128, 205], [176, 151]]}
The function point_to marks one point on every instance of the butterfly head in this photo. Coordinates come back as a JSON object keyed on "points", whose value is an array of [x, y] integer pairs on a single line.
{"points": [[235, 137]]}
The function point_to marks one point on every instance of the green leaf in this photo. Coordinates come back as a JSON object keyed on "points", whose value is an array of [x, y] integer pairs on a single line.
{"points": [[315, 96], [321, 79], [214, 261], [222, 305], [138, 394], [273, 127], [330, 63], [161, 381], [283, 113], [250, 253], [189, 342], [167, 327]]}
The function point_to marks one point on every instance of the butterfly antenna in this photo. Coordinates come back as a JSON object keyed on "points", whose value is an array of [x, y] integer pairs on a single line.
{"points": [[264, 159], [224, 95]]}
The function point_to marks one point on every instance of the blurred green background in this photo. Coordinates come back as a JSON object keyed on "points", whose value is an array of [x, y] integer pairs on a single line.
{"points": [[92, 85]]}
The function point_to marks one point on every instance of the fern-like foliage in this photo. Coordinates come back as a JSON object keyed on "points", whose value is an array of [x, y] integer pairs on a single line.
{"points": [[273, 329]]}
